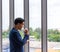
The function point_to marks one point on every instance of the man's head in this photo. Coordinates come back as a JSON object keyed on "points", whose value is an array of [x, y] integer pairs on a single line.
{"points": [[19, 23]]}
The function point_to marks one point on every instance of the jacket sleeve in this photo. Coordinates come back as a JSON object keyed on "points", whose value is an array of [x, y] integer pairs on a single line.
{"points": [[18, 39]]}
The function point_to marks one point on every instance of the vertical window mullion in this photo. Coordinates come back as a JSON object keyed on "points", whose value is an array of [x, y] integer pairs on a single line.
{"points": [[44, 24], [11, 7], [0, 25], [26, 17]]}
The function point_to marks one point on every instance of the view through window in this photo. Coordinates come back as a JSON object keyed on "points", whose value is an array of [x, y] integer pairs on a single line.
{"points": [[5, 25], [35, 25], [53, 25], [19, 12], [19, 8]]}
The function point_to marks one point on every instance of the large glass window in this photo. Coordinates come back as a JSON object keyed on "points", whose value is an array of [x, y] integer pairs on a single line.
{"points": [[53, 25], [5, 25], [19, 10], [35, 25]]}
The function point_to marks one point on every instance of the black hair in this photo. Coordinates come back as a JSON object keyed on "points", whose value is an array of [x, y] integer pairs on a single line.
{"points": [[18, 20]]}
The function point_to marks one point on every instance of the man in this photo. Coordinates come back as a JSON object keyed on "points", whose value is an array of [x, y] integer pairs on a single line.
{"points": [[16, 41]]}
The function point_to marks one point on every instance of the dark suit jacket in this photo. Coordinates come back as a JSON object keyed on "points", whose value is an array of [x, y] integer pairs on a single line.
{"points": [[16, 41]]}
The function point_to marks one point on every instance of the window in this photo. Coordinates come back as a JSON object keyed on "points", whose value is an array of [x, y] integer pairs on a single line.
{"points": [[5, 25], [35, 25], [19, 10], [53, 20]]}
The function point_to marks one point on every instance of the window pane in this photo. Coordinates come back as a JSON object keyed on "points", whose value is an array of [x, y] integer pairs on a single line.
{"points": [[19, 10], [35, 25], [5, 25], [53, 33]]}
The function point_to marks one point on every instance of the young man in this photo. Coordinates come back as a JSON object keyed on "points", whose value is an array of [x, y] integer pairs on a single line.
{"points": [[16, 41]]}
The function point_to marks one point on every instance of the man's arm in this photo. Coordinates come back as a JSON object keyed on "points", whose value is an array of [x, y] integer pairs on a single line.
{"points": [[17, 38]]}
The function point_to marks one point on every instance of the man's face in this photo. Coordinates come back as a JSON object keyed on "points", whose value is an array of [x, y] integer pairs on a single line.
{"points": [[21, 25]]}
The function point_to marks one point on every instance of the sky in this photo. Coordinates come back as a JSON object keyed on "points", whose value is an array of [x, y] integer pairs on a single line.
{"points": [[53, 13]]}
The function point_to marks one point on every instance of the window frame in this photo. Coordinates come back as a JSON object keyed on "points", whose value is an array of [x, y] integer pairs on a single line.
{"points": [[44, 25], [11, 14], [0, 25], [26, 17]]}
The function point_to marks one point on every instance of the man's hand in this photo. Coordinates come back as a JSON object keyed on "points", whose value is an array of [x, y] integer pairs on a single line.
{"points": [[26, 31], [27, 41]]}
